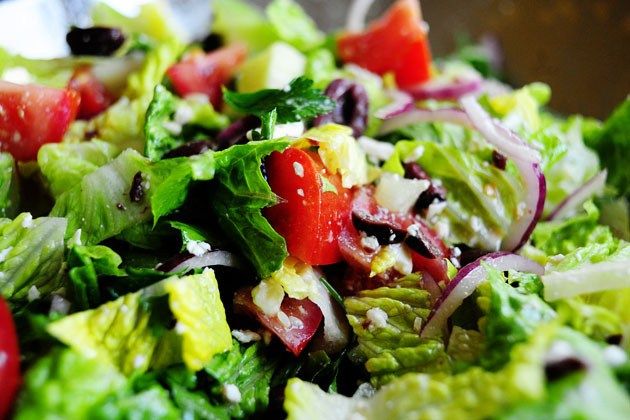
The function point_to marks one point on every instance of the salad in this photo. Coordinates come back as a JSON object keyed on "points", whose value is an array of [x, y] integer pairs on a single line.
{"points": [[274, 221]]}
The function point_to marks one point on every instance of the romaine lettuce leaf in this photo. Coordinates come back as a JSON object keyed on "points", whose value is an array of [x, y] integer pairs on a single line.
{"points": [[65, 164], [153, 403], [239, 21], [482, 200], [9, 189], [31, 255], [241, 194], [293, 25], [612, 143], [387, 321], [134, 334]]}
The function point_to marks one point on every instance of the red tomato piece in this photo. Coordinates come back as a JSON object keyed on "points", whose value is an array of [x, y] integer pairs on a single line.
{"points": [[310, 214], [10, 378], [396, 43], [303, 316], [94, 95], [360, 259], [206, 73], [31, 115]]}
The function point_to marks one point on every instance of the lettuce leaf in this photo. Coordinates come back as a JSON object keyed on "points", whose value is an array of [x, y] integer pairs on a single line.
{"points": [[9, 189], [612, 144], [64, 165], [293, 25], [239, 21], [133, 332], [482, 200], [395, 347], [31, 255], [241, 194], [65, 384]]}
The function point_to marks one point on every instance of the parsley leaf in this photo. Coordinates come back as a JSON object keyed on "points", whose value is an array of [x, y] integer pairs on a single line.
{"points": [[300, 101]]}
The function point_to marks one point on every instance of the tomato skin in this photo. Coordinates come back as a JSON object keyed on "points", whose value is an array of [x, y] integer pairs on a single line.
{"points": [[296, 337], [94, 95], [307, 217], [10, 378], [206, 73], [31, 115], [396, 43]]}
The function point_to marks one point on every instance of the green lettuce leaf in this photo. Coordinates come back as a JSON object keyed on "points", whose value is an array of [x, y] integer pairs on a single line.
{"points": [[65, 384], [64, 165], [239, 21], [320, 67], [248, 368], [85, 264], [612, 144], [482, 200], [241, 194], [31, 255], [132, 332], [510, 317], [395, 347], [293, 25], [54, 73], [9, 188], [593, 320], [162, 109]]}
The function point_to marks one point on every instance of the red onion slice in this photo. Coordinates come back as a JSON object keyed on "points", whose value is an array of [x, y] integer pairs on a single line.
{"points": [[467, 281], [447, 115], [357, 13], [401, 103], [590, 188], [445, 90], [208, 259]]}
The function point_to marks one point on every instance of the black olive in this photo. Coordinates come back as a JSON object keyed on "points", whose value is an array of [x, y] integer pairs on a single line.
{"points": [[236, 132], [96, 40], [190, 149], [211, 42], [432, 194], [468, 254], [561, 368], [384, 232], [499, 160], [352, 106], [419, 242], [136, 192], [614, 339]]}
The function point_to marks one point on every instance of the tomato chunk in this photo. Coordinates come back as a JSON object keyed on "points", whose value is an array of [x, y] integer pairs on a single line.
{"points": [[302, 319], [396, 43], [94, 95], [10, 378], [206, 73], [312, 207], [31, 115]]}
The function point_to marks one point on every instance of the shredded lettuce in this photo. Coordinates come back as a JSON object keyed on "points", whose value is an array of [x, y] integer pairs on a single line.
{"points": [[133, 332], [9, 188], [293, 25], [65, 164], [31, 255]]}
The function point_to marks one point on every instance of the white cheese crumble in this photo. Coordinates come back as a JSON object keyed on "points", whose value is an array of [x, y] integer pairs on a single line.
{"points": [[294, 129], [59, 305], [370, 243], [296, 322], [197, 248], [559, 350], [33, 293], [183, 114], [28, 221], [615, 356], [245, 336], [396, 193], [231, 393], [377, 318], [378, 150], [298, 169], [172, 127], [284, 319], [17, 75], [4, 253], [417, 324], [435, 208]]}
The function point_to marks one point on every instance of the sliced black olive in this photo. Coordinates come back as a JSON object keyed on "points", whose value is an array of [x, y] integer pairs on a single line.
{"points": [[499, 160], [136, 192], [384, 232], [211, 42], [559, 369], [236, 132], [614, 339], [432, 194], [419, 242], [190, 149], [97, 40], [352, 106], [468, 254]]}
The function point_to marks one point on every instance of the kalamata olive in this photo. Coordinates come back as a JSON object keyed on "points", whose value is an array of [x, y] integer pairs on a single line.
{"points": [[352, 106], [97, 40], [136, 192], [614, 339], [211, 42], [384, 232], [559, 369], [190, 149], [236, 132], [435, 192], [467, 254], [499, 160], [417, 240]]}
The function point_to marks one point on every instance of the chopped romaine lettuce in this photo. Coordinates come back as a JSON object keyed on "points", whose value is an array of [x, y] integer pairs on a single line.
{"points": [[238, 21], [9, 188], [65, 164], [31, 255], [293, 25]]}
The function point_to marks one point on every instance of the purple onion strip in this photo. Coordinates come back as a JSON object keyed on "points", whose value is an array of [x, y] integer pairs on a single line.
{"points": [[591, 187]]}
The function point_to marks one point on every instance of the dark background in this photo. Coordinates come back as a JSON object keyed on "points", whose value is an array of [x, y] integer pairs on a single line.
{"points": [[580, 47]]}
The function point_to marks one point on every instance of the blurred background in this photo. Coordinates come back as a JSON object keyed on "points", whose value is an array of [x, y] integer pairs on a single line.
{"points": [[579, 47]]}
